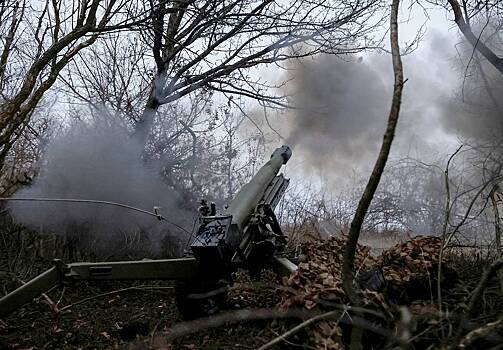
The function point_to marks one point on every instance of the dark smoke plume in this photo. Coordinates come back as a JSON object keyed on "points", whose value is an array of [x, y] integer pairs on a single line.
{"points": [[342, 106], [340, 112], [99, 161], [476, 111]]}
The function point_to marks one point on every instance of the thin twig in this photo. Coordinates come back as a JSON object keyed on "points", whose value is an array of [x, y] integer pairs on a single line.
{"points": [[444, 228], [51, 303], [111, 293], [479, 290], [480, 333], [298, 328], [189, 327]]}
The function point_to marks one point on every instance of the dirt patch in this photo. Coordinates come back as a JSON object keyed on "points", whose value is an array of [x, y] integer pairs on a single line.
{"points": [[144, 316]]}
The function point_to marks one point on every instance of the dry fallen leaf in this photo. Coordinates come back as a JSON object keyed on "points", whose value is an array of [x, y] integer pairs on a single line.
{"points": [[106, 335]]}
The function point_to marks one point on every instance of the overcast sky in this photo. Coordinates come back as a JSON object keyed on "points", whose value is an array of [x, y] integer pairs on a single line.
{"points": [[347, 103]]}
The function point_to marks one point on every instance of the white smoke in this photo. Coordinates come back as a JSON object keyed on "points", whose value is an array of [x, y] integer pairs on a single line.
{"points": [[100, 161]]}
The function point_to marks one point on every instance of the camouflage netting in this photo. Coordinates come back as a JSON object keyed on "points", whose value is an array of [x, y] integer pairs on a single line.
{"points": [[409, 269], [319, 279], [318, 282]]}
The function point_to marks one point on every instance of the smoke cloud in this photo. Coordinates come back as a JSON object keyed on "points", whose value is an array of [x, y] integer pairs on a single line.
{"points": [[476, 112], [100, 161], [342, 107]]}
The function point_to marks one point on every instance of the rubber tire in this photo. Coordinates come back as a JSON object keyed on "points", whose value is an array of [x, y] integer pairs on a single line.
{"points": [[191, 308]]}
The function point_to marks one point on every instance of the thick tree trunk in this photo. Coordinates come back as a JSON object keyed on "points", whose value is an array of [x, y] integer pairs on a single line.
{"points": [[144, 125], [496, 61], [163, 52]]}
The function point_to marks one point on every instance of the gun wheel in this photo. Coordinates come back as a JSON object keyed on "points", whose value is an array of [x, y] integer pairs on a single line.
{"points": [[196, 299]]}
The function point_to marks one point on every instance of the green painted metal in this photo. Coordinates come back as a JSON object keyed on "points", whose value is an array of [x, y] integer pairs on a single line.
{"points": [[283, 266], [249, 196], [242, 207], [168, 269], [28, 291]]}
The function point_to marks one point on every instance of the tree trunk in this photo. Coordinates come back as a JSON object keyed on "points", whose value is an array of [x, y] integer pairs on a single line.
{"points": [[364, 203], [497, 230], [348, 273], [496, 61]]}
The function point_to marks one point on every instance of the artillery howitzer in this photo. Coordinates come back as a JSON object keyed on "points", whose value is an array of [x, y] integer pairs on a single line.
{"points": [[246, 236]]}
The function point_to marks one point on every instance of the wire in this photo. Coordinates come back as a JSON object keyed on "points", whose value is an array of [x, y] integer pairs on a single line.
{"points": [[94, 201], [192, 233]]}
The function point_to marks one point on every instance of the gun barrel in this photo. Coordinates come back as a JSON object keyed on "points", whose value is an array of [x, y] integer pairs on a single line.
{"points": [[245, 201]]}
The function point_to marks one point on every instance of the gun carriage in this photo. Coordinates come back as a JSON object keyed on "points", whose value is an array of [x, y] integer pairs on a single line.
{"points": [[247, 235]]}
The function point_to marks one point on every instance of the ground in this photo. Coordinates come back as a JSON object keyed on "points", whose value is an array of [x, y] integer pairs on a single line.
{"points": [[121, 315], [133, 315]]}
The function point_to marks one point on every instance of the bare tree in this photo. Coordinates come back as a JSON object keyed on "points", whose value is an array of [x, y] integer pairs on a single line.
{"points": [[212, 45], [198, 54], [463, 13], [40, 39], [114, 74]]}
